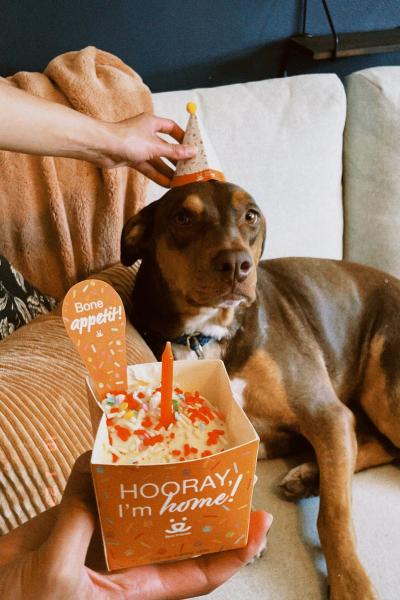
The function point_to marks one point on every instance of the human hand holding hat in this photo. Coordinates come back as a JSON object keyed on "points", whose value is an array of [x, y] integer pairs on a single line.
{"points": [[195, 157], [138, 145]]}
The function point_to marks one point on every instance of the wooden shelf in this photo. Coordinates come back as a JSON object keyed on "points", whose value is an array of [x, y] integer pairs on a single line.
{"points": [[321, 47]]}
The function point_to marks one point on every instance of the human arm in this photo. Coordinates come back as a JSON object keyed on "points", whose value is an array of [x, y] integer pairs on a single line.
{"points": [[34, 125]]}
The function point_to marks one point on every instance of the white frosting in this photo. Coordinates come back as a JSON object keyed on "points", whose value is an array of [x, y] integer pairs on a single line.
{"points": [[135, 436]]}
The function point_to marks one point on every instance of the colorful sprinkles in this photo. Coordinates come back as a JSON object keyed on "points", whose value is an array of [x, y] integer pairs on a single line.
{"points": [[136, 436]]}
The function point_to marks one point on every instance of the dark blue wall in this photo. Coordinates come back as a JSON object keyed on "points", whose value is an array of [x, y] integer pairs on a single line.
{"points": [[177, 44]]}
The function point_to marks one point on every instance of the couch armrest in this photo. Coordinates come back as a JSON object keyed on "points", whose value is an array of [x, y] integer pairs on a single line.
{"points": [[371, 168]]}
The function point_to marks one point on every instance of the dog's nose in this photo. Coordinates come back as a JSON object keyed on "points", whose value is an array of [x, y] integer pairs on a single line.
{"points": [[235, 263]]}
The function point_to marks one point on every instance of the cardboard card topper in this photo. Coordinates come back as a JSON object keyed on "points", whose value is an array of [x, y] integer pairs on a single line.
{"points": [[94, 318]]}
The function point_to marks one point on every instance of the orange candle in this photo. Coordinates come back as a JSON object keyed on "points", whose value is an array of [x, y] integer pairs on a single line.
{"points": [[167, 369]]}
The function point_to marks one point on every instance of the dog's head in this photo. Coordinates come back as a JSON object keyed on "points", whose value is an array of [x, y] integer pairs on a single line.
{"points": [[206, 239]]}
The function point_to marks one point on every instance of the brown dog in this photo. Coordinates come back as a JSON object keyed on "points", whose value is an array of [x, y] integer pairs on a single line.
{"points": [[312, 346]]}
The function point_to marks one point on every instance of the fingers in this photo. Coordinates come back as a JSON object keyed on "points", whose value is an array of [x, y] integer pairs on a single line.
{"points": [[176, 151], [168, 126], [144, 149], [173, 151], [214, 569], [162, 167], [67, 545], [147, 169], [260, 522], [193, 577], [220, 567]]}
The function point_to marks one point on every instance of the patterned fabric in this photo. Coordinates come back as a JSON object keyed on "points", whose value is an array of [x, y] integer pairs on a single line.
{"points": [[20, 302]]}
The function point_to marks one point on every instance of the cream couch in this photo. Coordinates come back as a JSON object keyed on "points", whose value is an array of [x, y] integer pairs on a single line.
{"points": [[283, 141]]}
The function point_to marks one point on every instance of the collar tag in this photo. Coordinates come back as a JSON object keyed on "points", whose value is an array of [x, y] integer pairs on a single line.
{"points": [[194, 344]]}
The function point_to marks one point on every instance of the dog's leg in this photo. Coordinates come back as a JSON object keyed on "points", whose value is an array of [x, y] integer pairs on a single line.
{"points": [[303, 481], [380, 397], [373, 452], [329, 426]]}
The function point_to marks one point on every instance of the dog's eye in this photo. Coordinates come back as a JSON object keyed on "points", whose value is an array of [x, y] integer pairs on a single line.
{"points": [[182, 218], [251, 216]]}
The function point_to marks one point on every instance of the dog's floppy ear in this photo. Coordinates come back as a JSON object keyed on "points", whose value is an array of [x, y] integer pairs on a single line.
{"points": [[264, 234], [259, 242], [136, 235]]}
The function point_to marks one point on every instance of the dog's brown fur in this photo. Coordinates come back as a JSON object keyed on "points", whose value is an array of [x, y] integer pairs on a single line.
{"points": [[314, 345]]}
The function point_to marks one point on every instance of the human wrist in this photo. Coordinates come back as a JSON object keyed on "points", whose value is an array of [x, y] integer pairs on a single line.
{"points": [[92, 140]]}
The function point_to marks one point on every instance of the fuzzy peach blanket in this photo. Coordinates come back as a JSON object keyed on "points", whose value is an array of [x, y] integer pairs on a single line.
{"points": [[61, 219]]}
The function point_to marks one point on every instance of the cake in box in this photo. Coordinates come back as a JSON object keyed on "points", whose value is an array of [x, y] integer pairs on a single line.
{"points": [[171, 510], [173, 476], [136, 434]]}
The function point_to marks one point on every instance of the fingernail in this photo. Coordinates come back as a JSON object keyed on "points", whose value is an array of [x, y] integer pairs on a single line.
{"points": [[270, 519], [189, 151]]}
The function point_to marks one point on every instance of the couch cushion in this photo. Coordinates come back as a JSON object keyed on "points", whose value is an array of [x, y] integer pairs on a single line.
{"points": [[281, 140], [44, 415], [371, 168]]}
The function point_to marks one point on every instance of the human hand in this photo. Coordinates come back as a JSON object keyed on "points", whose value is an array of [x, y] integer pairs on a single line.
{"points": [[34, 125], [135, 143], [56, 569]]}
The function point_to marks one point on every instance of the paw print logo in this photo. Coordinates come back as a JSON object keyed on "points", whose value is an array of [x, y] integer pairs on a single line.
{"points": [[178, 527]]}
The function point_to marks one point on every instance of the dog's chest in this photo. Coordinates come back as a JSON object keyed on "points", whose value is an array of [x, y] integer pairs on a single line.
{"points": [[212, 322]]}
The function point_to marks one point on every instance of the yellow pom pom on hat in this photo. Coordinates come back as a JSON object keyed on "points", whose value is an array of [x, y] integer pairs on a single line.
{"points": [[205, 165], [191, 107]]}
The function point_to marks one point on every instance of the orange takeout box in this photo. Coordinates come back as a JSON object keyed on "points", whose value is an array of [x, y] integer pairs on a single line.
{"points": [[164, 512], [153, 513]]}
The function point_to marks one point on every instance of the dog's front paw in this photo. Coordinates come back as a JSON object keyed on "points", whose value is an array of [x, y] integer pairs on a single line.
{"points": [[301, 482]]}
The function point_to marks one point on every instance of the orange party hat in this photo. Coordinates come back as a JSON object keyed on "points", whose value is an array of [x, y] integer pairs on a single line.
{"points": [[205, 165]]}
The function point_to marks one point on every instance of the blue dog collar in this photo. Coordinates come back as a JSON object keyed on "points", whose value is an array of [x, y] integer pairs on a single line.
{"points": [[194, 342]]}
